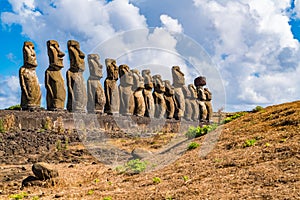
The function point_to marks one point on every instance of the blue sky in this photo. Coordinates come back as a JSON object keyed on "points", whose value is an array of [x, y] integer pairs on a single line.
{"points": [[254, 44]]}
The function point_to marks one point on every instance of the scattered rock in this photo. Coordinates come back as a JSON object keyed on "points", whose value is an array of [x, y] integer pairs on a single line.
{"points": [[140, 153], [44, 171], [32, 181]]}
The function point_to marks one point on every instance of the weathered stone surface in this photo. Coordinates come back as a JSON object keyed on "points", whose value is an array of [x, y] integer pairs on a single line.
{"points": [[111, 90], [170, 99], [208, 104], [95, 91], [44, 171], [178, 83], [158, 96], [54, 82], [125, 89], [188, 107], [140, 153], [147, 92], [201, 98], [77, 98], [30, 87], [194, 102], [138, 86]]}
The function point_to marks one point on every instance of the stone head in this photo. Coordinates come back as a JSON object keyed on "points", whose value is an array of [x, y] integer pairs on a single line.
{"points": [[169, 89], [76, 56], [112, 69], [95, 65], [178, 76], [125, 74], [158, 83], [55, 55], [138, 80], [200, 81], [148, 82], [193, 91], [29, 55]]}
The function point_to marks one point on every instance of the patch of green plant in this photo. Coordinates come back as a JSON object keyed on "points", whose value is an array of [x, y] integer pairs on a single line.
{"points": [[66, 145], [35, 198], [169, 198], [90, 192], [96, 180], [2, 130], [133, 167], [18, 196], [156, 180], [267, 144], [194, 132], [185, 178], [58, 145], [233, 117], [249, 143], [193, 145], [14, 107], [257, 109], [107, 198]]}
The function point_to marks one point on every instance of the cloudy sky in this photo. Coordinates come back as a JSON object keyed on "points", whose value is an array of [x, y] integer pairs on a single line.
{"points": [[247, 49]]}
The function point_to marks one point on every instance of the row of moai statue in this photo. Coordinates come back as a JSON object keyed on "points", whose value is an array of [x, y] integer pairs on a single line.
{"points": [[137, 94]]}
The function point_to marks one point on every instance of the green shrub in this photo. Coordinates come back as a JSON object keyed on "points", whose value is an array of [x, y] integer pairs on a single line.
{"points": [[18, 196], [2, 130], [198, 131], [15, 107], [185, 178], [257, 109], [90, 192], [233, 117], [156, 180], [193, 145], [249, 143], [133, 167], [107, 198]]}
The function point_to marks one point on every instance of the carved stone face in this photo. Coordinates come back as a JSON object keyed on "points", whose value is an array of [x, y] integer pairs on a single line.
{"points": [[55, 55], [178, 76], [112, 69], [126, 77], [148, 82], [158, 84], [95, 65], [76, 56], [193, 91], [138, 80], [29, 55], [169, 88]]}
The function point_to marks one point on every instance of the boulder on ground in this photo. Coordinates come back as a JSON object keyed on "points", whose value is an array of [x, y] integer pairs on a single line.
{"points": [[44, 171]]}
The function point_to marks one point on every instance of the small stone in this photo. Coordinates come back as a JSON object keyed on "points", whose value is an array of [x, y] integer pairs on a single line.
{"points": [[140, 153], [44, 171]]}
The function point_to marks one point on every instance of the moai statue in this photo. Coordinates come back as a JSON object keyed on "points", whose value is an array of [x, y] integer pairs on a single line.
{"points": [[30, 87], [147, 92], [188, 107], [178, 83], [158, 96], [54, 82], [77, 98], [199, 82], [138, 86], [111, 90], [95, 92], [126, 92], [208, 104], [170, 99], [194, 102]]}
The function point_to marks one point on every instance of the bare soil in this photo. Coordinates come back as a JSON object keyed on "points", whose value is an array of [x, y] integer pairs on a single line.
{"points": [[223, 167]]}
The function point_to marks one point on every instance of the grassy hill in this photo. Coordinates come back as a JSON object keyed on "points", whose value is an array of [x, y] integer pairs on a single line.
{"points": [[256, 156]]}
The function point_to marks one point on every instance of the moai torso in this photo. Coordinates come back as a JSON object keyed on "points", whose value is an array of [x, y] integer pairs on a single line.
{"points": [[170, 99], [147, 92], [111, 88], [95, 91], [199, 82], [178, 83], [194, 102], [188, 107], [158, 96], [126, 92], [208, 104], [30, 87], [138, 86], [54, 82], [77, 98]]}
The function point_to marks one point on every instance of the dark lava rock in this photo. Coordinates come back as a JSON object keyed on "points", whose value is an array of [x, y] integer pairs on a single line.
{"points": [[44, 171]]}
